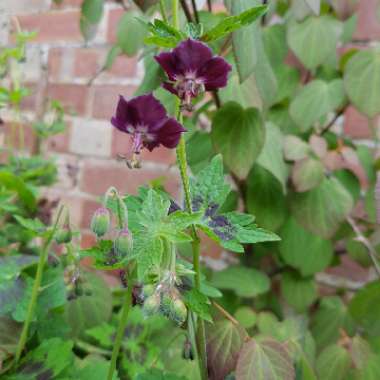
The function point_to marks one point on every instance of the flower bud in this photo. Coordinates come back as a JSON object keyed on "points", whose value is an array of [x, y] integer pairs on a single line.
{"points": [[100, 221], [63, 235], [151, 305], [123, 243], [178, 311]]}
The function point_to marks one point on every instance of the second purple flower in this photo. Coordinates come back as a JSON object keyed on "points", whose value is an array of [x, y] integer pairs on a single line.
{"points": [[192, 68]]}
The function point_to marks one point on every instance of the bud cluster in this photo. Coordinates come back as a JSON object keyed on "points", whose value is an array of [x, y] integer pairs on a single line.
{"points": [[165, 299]]}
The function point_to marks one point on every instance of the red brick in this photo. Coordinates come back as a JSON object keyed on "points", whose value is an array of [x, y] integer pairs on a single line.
{"points": [[98, 176], [114, 16], [121, 144], [356, 125], [29, 102], [86, 62], [53, 26], [88, 240], [13, 135], [368, 26], [72, 96], [124, 67], [59, 143], [88, 209], [55, 63], [106, 97]]}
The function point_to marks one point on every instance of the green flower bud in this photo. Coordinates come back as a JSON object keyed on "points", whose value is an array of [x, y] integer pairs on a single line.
{"points": [[178, 311], [63, 235], [100, 221], [166, 302], [151, 305], [123, 243]]}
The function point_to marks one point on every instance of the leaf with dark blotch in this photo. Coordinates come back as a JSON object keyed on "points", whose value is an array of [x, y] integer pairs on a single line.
{"points": [[224, 342], [264, 359]]}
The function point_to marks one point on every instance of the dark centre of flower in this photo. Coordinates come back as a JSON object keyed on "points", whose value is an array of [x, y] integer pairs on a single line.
{"points": [[188, 87]]}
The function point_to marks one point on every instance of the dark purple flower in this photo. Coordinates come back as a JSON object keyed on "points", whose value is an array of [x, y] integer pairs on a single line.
{"points": [[145, 119], [192, 69]]}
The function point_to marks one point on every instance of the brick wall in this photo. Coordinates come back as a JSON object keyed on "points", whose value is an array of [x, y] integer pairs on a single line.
{"points": [[86, 152]]}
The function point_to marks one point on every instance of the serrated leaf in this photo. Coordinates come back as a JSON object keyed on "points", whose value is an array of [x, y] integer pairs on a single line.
{"points": [[315, 100], [333, 363], [232, 23], [198, 303], [49, 360], [88, 311], [264, 359], [94, 368], [209, 186], [12, 266], [239, 135], [34, 225], [224, 342], [322, 209], [297, 291], [362, 81], [314, 40], [302, 250], [103, 334], [245, 282]]}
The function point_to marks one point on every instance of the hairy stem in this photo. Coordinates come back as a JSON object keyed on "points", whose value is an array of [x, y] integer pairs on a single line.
{"points": [[36, 288], [127, 305], [175, 11], [163, 11]]}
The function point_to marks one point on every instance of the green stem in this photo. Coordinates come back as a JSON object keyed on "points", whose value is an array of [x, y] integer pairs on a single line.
{"points": [[163, 11], [175, 9], [127, 305], [36, 289]]}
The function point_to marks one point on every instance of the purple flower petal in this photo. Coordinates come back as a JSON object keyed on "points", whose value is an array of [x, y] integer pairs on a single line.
{"points": [[167, 62], [170, 133], [148, 111], [215, 73], [124, 116], [190, 55], [168, 86]]}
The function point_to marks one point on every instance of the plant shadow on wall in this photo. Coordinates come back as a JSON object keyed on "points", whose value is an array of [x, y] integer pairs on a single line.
{"points": [[274, 181]]}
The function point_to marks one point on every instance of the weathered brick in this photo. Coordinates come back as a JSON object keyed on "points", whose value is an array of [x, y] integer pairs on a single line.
{"points": [[53, 26], [88, 240], [91, 138], [29, 102], [18, 135], [55, 63], [356, 125], [121, 144], [88, 209], [98, 176], [123, 67], [368, 26], [66, 4], [59, 143], [114, 15], [106, 98], [72, 96], [25, 6], [68, 170], [86, 62]]}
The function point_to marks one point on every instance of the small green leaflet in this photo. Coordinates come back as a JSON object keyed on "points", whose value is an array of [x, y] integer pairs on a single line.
{"points": [[198, 303], [232, 23], [163, 34], [34, 225]]}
